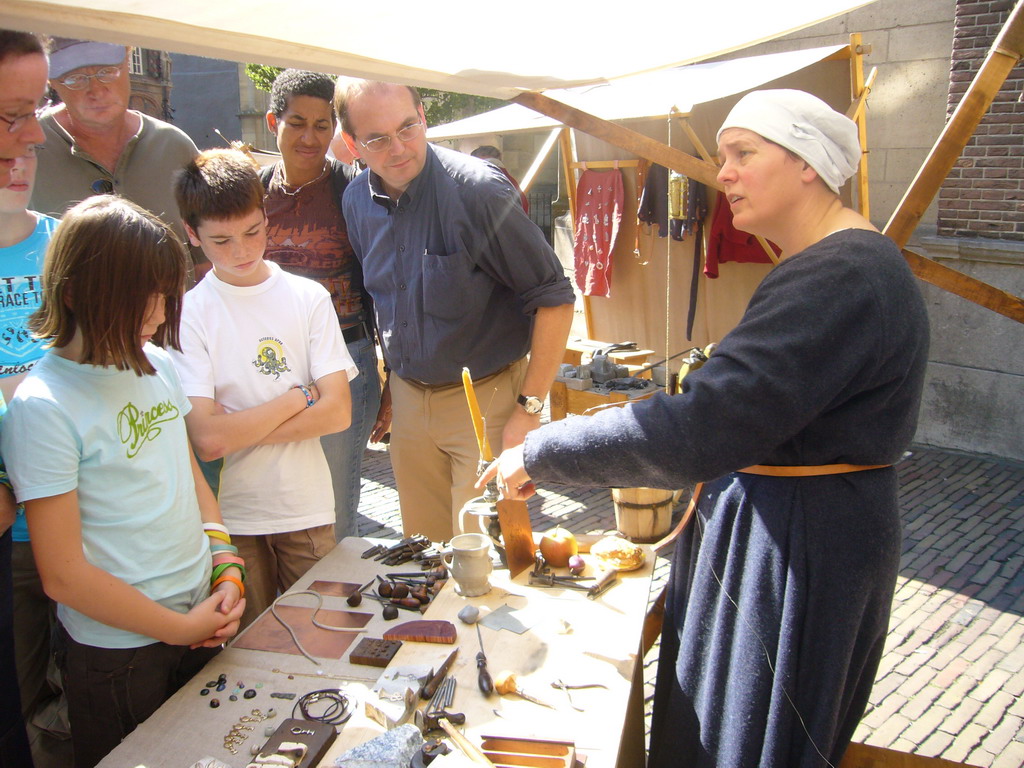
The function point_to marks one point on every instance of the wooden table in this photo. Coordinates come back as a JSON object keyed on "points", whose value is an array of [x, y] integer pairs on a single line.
{"points": [[569, 638]]}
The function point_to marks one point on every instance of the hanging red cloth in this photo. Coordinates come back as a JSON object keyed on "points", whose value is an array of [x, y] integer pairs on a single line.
{"points": [[726, 243], [598, 213]]}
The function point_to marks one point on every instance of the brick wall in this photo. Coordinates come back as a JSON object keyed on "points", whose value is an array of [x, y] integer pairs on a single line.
{"points": [[983, 196]]}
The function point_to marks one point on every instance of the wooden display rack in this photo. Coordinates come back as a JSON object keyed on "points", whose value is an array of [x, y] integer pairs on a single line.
{"points": [[565, 401], [576, 349]]}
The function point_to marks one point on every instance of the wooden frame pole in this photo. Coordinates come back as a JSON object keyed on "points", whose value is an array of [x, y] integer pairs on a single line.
{"points": [[622, 137], [538, 161], [859, 90], [1002, 57]]}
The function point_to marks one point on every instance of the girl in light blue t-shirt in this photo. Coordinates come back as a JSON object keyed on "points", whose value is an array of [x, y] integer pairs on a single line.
{"points": [[126, 534]]}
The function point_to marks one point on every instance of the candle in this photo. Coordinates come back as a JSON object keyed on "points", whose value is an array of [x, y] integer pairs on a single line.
{"points": [[478, 419]]}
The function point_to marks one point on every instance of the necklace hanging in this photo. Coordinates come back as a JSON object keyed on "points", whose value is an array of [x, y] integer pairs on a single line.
{"points": [[284, 185]]}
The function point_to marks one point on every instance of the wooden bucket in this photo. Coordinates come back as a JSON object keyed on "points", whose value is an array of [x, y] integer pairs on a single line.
{"points": [[643, 515]]}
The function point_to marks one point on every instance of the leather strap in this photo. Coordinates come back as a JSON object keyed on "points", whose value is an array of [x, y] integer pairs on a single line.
{"points": [[809, 470]]}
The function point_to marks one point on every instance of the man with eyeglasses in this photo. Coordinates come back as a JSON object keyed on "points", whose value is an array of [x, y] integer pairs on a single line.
{"points": [[460, 277], [95, 144]]}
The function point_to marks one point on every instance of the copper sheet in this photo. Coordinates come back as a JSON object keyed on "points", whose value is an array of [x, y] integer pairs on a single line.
{"points": [[267, 634], [333, 589]]}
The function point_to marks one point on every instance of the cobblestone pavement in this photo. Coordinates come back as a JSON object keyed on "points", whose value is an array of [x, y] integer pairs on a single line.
{"points": [[951, 683]]}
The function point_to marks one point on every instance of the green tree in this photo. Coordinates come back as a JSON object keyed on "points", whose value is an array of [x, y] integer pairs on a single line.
{"points": [[262, 76], [439, 106]]}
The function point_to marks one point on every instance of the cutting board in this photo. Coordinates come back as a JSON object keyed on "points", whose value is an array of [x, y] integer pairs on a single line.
{"points": [[423, 631]]}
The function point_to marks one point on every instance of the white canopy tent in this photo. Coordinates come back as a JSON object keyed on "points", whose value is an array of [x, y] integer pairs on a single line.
{"points": [[536, 45], [458, 46], [656, 94]]}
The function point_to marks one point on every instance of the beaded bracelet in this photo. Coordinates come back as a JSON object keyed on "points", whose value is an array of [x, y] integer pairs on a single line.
{"points": [[218, 570], [307, 393], [236, 581], [215, 527], [219, 536]]}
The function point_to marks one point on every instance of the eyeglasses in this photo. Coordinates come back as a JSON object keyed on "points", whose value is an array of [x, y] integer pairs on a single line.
{"points": [[17, 123], [407, 133], [80, 81], [102, 186]]}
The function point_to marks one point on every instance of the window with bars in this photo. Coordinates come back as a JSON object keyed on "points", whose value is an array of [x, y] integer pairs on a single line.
{"points": [[135, 63], [540, 197]]}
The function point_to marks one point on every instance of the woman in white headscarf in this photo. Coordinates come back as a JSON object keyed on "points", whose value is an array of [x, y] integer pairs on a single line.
{"points": [[779, 596]]}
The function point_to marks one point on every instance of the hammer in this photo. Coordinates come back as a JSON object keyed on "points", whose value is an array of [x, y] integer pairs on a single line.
{"points": [[431, 721]]}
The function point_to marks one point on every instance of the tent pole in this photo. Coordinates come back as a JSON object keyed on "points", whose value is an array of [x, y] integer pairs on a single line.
{"points": [[965, 286], [568, 158], [684, 121], [538, 161], [1004, 54], [703, 152], [622, 137], [858, 95]]}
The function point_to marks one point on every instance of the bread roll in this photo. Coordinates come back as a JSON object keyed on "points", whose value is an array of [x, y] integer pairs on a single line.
{"points": [[618, 553]]}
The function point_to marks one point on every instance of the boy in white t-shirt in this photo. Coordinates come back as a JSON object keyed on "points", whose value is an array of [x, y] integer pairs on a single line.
{"points": [[266, 369]]}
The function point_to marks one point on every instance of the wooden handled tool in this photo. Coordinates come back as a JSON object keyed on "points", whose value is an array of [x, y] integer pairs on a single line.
{"points": [[468, 748], [408, 603], [483, 677], [606, 580], [506, 683], [427, 691]]}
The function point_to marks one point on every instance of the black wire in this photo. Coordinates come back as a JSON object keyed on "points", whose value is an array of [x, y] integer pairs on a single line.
{"points": [[336, 713]]}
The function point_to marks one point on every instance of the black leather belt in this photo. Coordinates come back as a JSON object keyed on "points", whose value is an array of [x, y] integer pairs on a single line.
{"points": [[447, 385], [356, 332]]}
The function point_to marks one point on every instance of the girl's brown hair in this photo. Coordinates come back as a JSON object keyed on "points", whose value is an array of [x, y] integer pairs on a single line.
{"points": [[105, 261]]}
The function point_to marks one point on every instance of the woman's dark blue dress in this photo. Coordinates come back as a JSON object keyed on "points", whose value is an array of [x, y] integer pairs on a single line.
{"points": [[779, 596]]}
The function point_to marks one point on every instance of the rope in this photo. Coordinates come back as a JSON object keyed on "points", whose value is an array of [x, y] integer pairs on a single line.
{"points": [[319, 605]]}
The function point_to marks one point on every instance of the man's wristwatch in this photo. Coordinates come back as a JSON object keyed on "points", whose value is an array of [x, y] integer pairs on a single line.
{"points": [[532, 405]]}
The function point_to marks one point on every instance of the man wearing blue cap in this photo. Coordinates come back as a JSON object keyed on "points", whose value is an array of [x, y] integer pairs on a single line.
{"points": [[95, 144]]}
